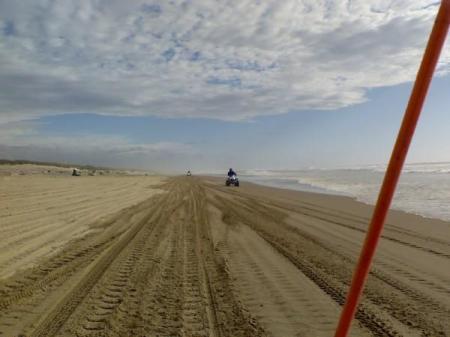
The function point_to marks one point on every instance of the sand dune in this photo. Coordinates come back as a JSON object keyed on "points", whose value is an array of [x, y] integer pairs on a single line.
{"points": [[201, 259]]}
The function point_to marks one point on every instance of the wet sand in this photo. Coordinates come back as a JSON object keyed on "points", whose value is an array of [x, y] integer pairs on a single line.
{"points": [[187, 256]]}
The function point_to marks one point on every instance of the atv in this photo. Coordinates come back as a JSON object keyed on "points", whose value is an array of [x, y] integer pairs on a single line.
{"points": [[233, 180]]}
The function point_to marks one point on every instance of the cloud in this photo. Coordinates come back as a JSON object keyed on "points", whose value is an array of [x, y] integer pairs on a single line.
{"points": [[229, 60], [23, 140]]}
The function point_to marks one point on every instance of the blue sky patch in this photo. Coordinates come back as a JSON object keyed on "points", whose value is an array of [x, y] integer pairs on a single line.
{"points": [[168, 54], [232, 82], [154, 9], [249, 65], [195, 56], [9, 29]]}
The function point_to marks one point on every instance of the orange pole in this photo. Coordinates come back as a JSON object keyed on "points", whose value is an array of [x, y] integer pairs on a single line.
{"points": [[412, 113]]}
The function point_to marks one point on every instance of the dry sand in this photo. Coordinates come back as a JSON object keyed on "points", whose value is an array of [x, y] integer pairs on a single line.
{"points": [[39, 214], [110, 256]]}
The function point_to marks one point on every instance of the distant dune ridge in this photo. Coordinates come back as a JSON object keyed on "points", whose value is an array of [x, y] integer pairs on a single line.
{"points": [[27, 167]]}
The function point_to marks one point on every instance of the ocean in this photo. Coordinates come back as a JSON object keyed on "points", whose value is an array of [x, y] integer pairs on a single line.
{"points": [[424, 188]]}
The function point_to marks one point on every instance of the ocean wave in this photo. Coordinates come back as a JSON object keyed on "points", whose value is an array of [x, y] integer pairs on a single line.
{"points": [[423, 190]]}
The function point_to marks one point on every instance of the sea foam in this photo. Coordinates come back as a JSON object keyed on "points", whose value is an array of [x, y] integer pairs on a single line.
{"points": [[424, 188]]}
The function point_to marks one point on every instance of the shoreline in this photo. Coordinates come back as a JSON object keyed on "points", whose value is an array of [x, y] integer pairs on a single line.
{"points": [[350, 205], [318, 190]]}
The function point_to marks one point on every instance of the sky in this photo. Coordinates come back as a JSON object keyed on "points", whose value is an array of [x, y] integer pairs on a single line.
{"points": [[206, 85]]}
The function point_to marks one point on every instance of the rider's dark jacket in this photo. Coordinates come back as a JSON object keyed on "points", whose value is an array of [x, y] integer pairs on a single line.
{"points": [[231, 173]]}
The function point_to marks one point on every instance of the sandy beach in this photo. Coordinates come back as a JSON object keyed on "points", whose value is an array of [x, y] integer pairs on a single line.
{"points": [[188, 256]]}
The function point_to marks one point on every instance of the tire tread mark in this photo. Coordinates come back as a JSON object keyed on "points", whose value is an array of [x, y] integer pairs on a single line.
{"points": [[52, 323]]}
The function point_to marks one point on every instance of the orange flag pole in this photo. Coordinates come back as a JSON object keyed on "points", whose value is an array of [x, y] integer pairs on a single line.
{"points": [[412, 113]]}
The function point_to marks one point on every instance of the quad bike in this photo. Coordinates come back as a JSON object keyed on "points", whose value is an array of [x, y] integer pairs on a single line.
{"points": [[233, 180]]}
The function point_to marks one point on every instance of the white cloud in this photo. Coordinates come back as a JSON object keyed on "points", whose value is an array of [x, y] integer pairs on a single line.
{"points": [[228, 60], [23, 140]]}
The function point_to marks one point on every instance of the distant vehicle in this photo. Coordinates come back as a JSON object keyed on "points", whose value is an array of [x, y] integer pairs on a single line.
{"points": [[232, 180], [76, 172], [188, 173]]}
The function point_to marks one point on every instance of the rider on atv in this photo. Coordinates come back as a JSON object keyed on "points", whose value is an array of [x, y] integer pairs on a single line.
{"points": [[232, 179], [231, 173]]}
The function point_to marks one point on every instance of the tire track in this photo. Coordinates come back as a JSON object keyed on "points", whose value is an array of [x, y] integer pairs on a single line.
{"points": [[51, 324], [150, 270], [225, 314], [278, 239], [165, 268], [289, 301], [69, 260], [346, 220]]}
